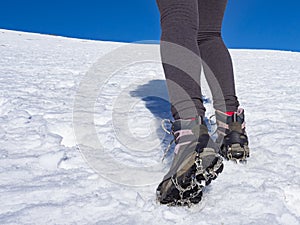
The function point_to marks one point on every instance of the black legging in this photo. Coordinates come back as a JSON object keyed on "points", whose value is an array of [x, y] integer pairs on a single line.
{"points": [[196, 25]]}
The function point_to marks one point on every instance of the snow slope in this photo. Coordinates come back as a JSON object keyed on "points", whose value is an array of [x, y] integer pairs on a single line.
{"points": [[46, 180]]}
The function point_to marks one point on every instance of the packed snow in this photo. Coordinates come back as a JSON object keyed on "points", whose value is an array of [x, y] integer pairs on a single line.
{"points": [[46, 178]]}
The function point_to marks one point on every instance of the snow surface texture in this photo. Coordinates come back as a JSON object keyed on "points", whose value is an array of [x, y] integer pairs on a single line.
{"points": [[45, 179]]}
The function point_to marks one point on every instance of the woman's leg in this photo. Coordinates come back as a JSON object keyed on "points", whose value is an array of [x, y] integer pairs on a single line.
{"points": [[196, 162], [217, 62], [179, 25], [218, 70]]}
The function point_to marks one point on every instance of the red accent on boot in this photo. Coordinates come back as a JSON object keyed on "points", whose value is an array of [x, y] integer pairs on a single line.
{"points": [[230, 113]]}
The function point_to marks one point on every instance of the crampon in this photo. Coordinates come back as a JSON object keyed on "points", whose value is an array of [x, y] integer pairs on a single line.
{"points": [[186, 189]]}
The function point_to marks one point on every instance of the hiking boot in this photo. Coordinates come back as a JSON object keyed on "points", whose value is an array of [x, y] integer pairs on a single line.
{"points": [[232, 137], [195, 164]]}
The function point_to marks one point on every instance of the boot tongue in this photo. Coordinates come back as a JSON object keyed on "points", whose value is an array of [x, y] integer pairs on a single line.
{"points": [[188, 129], [184, 124]]}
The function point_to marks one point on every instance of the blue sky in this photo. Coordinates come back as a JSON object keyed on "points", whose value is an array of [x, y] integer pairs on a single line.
{"points": [[259, 24]]}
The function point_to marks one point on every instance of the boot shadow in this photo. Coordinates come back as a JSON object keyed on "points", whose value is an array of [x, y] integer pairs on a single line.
{"points": [[155, 95]]}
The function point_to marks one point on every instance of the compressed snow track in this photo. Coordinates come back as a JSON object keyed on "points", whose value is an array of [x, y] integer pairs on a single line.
{"points": [[45, 180]]}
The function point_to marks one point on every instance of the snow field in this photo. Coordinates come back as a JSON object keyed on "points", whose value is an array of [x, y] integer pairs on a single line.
{"points": [[45, 179]]}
